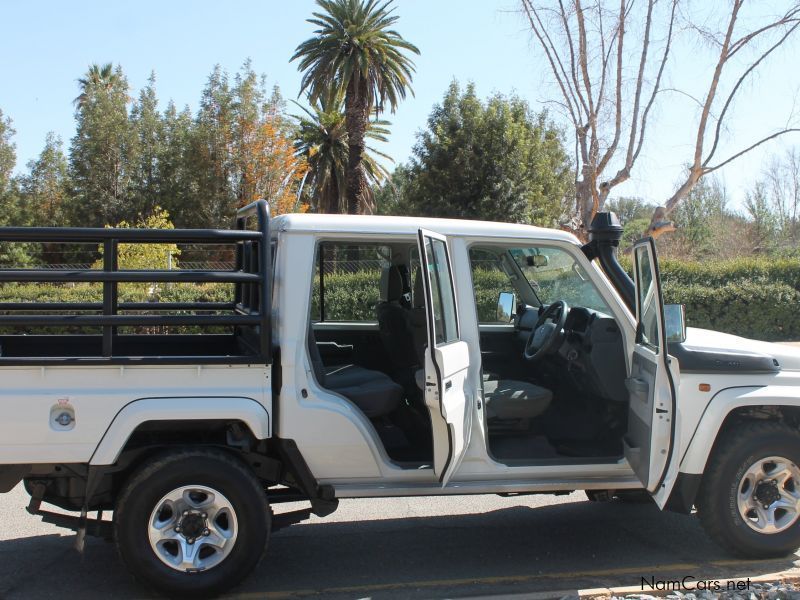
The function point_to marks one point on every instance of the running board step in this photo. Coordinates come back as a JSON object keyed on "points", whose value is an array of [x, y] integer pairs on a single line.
{"points": [[290, 518]]}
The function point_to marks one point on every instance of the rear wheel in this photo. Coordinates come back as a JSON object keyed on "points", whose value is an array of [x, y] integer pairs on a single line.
{"points": [[192, 522], [749, 501]]}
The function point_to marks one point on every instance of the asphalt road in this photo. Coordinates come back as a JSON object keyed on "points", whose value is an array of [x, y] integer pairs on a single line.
{"points": [[408, 548]]}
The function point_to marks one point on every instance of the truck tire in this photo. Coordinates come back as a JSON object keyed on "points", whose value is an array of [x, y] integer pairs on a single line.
{"points": [[749, 499], [192, 522]]}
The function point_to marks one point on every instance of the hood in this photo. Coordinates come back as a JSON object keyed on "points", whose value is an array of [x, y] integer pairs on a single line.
{"points": [[788, 356]]}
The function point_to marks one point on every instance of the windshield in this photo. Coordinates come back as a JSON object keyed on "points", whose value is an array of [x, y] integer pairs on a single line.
{"points": [[554, 274]]}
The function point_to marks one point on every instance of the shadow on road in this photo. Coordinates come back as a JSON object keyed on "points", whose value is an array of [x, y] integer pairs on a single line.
{"points": [[511, 550]]}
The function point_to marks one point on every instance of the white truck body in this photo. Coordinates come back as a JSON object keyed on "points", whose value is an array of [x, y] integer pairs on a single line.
{"points": [[317, 442]]}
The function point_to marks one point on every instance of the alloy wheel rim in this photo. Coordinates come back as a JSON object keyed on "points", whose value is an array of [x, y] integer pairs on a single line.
{"points": [[768, 495], [193, 528]]}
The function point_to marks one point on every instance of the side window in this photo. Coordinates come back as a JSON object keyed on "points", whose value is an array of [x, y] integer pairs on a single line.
{"points": [[489, 280], [647, 301], [347, 279], [442, 293]]}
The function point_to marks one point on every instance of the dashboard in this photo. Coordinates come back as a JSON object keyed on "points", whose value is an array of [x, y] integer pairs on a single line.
{"points": [[592, 348]]}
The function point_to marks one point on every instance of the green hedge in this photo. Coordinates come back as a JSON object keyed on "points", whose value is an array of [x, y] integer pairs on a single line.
{"points": [[751, 297], [765, 311], [348, 296], [135, 292], [716, 274], [755, 298], [88, 292]]}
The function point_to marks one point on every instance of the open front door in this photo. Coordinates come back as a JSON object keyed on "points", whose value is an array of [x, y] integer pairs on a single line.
{"points": [[652, 414], [446, 359]]}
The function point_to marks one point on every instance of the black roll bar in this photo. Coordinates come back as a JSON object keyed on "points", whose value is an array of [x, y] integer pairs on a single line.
{"points": [[251, 276]]}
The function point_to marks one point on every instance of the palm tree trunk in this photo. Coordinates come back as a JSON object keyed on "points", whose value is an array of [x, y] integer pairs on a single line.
{"points": [[356, 116]]}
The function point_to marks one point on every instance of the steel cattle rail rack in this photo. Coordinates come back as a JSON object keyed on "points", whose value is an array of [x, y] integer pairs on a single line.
{"points": [[248, 314]]}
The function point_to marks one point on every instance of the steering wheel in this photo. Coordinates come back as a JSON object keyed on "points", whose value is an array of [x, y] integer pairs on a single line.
{"points": [[547, 332]]}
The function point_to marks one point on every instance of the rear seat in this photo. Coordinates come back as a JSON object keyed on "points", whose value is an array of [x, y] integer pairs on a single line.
{"points": [[372, 391]]}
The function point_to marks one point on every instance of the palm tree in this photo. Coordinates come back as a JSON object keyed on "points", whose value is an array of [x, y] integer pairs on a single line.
{"points": [[97, 77], [355, 53], [322, 139]]}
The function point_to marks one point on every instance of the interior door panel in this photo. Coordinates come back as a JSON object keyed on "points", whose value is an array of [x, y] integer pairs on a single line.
{"points": [[351, 343]]}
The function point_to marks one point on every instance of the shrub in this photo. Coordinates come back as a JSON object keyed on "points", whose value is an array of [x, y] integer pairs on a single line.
{"points": [[765, 311], [488, 284], [752, 297], [757, 298]]}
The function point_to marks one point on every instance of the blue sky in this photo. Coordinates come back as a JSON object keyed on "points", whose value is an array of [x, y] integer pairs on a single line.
{"points": [[46, 46]]}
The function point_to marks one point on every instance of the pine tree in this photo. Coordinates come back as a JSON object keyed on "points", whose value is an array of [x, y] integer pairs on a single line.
{"points": [[102, 150], [177, 182], [148, 129], [248, 107], [210, 157], [8, 153], [45, 187]]}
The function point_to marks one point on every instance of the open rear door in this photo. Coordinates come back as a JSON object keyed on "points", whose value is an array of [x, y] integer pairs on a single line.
{"points": [[652, 414], [446, 359]]}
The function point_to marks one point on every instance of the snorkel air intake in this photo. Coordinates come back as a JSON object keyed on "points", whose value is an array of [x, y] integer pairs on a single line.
{"points": [[605, 232]]}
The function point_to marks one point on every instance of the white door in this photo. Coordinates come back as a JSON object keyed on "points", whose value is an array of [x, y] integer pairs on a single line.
{"points": [[652, 414], [446, 359]]}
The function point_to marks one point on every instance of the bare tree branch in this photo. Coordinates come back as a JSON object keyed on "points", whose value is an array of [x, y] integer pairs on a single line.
{"points": [[694, 99], [553, 58], [712, 89], [736, 87], [791, 16], [657, 83], [639, 83], [587, 57], [571, 46], [618, 113], [707, 170]]}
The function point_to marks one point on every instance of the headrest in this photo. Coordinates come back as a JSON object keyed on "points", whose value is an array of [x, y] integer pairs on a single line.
{"points": [[391, 284], [419, 290]]}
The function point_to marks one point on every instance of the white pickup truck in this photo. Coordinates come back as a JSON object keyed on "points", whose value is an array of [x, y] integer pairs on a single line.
{"points": [[357, 358]]}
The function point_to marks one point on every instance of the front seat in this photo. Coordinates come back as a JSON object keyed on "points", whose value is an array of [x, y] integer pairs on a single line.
{"points": [[508, 399], [372, 391], [505, 399]]}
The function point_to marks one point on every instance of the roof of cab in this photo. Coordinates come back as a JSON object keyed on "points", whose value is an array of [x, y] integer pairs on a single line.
{"points": [[374, 224]]}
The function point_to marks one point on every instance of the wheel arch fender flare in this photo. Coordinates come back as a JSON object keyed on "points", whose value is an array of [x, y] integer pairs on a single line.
{"points": [[185, 408], [724, 402]]}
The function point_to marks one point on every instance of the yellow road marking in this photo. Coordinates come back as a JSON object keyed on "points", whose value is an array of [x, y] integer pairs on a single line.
{"points": [[497, 580]]}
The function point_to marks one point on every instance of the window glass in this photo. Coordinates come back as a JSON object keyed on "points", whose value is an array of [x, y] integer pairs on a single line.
{"points": [[489, 280], [554, 274], [647, 301], [349, 289], [445, 322]]}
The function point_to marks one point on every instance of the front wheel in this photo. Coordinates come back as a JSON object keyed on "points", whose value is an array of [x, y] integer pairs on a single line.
{"points": [[749, 501], [192, 522]]}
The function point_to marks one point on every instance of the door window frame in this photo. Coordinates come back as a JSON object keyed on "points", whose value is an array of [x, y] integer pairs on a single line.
{"points": [[658, 299], [429, 282], [356, 240]]}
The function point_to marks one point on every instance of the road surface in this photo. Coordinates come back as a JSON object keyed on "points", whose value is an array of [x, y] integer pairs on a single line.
{"points": [[408, 548]]}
